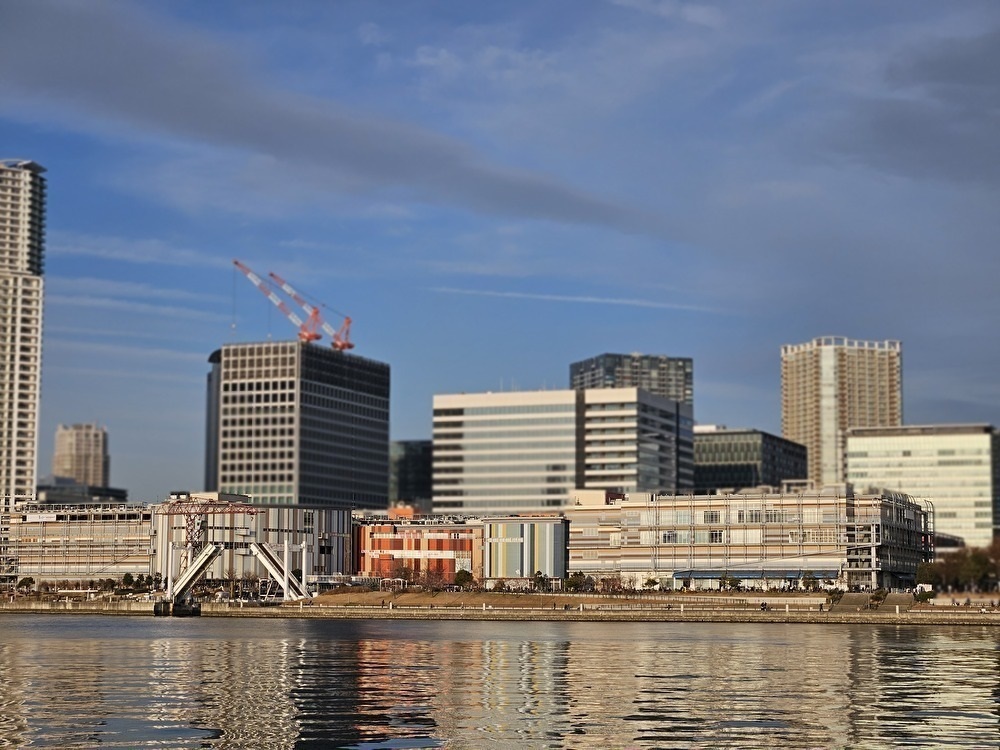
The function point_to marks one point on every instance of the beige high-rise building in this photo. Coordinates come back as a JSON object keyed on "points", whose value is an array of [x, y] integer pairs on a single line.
{"points": [[22, 241], [832, 384], [82, 454]]}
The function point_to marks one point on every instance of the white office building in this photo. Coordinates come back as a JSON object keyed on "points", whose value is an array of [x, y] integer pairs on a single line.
{"points": [[527, 451], [955, 467]]}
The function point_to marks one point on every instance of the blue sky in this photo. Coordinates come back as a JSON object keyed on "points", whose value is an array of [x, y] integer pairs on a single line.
{"points": [[494, 190]]}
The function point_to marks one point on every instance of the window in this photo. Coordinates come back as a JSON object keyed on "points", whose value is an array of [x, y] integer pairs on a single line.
{"points": [[716, 537], [711, 516]]}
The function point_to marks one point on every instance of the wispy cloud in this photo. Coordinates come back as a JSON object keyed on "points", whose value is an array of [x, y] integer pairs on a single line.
{"points": [[134, 353], [101, 63], [696, 13], [129, 376], [132, 307], [116, 289], [581, 299], [130, 251]]}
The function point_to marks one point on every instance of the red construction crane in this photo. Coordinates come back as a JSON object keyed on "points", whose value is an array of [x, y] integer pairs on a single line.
{"points": [[307, 329], [339, 339]]}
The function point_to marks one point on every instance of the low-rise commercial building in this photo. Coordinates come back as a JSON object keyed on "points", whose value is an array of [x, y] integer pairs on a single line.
{"points": [[429, 549], [518, 548], [80, 543], [761, 538]]}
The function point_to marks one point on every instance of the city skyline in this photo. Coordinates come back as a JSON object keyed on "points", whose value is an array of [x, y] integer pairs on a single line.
{"points": [[492, 193]]}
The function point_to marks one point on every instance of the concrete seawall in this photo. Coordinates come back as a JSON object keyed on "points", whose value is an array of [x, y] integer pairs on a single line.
{"points": [[920, 617], [611, 613]]}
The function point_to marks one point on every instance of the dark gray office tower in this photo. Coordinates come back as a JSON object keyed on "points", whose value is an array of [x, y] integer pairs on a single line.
{"points": [[669, 377], [738, 459], [410, 473], [293, 423]]}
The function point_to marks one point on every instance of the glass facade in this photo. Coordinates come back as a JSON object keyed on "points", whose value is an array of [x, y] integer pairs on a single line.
{"points": [[669, 377], [737, 459], [954, 467]]}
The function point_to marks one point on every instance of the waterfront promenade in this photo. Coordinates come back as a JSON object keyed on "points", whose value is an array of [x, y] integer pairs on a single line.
{"points": [[558, 608]]}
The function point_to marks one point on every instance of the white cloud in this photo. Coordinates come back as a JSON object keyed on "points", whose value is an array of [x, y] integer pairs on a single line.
{"points": [[371, 34], [63, 285], [133, 308], [587, 300], [129, 251]]}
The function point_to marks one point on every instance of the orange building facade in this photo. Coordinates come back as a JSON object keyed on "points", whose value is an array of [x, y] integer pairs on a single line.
{"points": [[417, 549]]}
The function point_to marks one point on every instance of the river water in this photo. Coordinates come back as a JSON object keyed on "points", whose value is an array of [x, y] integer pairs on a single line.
{"points": [[91, 681]]}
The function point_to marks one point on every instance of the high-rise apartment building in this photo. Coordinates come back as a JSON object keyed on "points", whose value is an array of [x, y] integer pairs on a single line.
{"points": [[528, 451], [726, 459], [832, 384], [669, 377], [298, 424], [955, 467], [81, 454], [22, 247]]}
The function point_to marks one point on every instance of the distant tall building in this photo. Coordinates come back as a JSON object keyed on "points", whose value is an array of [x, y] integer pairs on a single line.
{"points": [[955, 467], [300, 424], [410, 473], [81, 454], [22, 248], [742, 459], [529, 451], [832, 384], [669, 377]]}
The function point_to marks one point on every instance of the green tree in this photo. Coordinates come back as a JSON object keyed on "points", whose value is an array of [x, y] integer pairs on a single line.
{"points": [[928, 572], [975, 570], [464, 579], [576, 582], [540, 581], [732, 583], [128, 581], [25, 584]]}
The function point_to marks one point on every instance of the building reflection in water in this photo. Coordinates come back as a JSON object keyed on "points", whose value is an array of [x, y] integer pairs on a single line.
{"points": [[81, 681]]}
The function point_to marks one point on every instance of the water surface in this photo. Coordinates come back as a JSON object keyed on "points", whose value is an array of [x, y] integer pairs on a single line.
{"points": [[88, 681]]}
